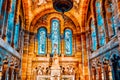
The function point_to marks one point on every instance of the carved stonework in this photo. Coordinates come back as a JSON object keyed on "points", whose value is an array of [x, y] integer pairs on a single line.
{"points": [[56, 69]]}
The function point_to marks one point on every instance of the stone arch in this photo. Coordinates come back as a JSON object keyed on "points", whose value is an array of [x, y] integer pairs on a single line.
{"points": [[89, 22], [62, 23], [48, 9]]}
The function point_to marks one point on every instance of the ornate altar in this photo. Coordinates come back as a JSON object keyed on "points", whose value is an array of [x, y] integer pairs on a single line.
{"points": [[55, 68]]}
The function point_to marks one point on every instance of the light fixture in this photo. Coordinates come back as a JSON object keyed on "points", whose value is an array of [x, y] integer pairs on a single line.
{"points": [[62, 5]]}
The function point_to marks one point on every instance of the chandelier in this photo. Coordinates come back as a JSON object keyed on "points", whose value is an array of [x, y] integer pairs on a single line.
{"points": [[62, 5]]}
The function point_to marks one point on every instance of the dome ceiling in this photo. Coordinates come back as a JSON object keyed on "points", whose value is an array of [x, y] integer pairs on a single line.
{"points": [[35, 9]]}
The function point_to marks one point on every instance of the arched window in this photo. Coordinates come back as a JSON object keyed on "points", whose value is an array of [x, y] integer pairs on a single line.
{"points": [[3, 14], [16, 34], [55, 36], [110, 17], [93, 35], [42, 40], [10, 24], [100, 22], [1, 3], [68, 41]]}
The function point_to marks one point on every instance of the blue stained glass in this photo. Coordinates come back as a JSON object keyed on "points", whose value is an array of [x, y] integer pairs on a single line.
{"points": [[10, 24], [1, 4], [16, 35], [100, 22], [55, 36], [3, 14], [68, 41], [93, 35], [112, 18], [42, 41]]}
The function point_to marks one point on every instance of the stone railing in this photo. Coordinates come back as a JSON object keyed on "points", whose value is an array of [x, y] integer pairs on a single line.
{"points": [[10, 61]]}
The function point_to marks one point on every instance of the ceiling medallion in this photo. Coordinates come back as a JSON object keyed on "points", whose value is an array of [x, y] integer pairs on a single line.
{"points": [[62, 5]]}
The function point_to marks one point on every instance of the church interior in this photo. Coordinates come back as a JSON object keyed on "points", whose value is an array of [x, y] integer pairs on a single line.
{"points": [[59, 39]]}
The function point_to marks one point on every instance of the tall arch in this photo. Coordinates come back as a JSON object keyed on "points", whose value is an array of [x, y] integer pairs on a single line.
{"points": [[100, 22], [10, 23], [68, 41], [3, 15], [55, 36], [41, 35], [16, 34]]}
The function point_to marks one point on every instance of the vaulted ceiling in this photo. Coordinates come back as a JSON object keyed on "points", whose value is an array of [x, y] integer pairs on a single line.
{"points": [[34, 9]]}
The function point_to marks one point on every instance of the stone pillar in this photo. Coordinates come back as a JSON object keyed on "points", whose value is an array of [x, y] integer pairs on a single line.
{"points": [[99, 73], [62, 48], [11, 72], [5, 67], [30, 57], [16, 73], [106, 72], [78, 55], [93, 71], [25, 56], [84, 57], [49, 46]]}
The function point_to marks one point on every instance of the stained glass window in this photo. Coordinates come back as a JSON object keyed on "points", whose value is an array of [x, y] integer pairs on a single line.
{"points": [[41, 40], [68, 41], [1, 3], [93, 35], [100, 23], [10, 24], [110, 9], [3, 14], [16, 35], [55, 36]]}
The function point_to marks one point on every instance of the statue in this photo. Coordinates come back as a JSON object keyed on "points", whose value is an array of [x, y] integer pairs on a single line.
{"points": [[55, 68]]}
